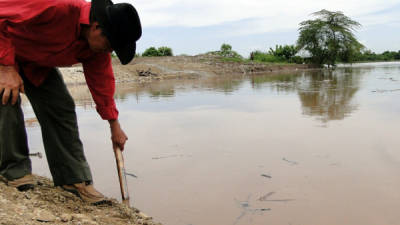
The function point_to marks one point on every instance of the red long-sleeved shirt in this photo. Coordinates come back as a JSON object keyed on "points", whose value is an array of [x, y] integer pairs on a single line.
{"points": [[40, 34]]}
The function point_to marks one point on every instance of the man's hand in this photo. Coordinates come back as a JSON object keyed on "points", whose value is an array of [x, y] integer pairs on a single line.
{"points": [[10, 84], [118, 136]]}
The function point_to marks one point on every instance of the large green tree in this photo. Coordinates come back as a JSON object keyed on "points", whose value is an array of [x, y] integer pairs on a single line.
{"points": [[329, 37]]}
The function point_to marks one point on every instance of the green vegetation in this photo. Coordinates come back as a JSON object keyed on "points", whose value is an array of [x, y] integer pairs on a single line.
{"points": [[227, 52], [369, 56], [152, 51], [161, 51], [165, 51], [329, 38], [285, 54], [260, 56]]}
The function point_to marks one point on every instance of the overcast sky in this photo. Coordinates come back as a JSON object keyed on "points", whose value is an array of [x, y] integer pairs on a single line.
{"points": [[197, 26]]}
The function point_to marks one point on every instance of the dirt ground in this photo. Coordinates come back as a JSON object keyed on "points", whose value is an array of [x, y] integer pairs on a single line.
{"points": [[147, 69], [47, 204]]}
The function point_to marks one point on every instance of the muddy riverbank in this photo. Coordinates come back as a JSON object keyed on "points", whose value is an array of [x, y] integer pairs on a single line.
{"points": [[267, 148], [51, 205], [146, 69], [47, 204]]}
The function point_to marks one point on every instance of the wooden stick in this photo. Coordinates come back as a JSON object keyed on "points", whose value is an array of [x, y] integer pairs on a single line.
{"points": [[119, 158]]}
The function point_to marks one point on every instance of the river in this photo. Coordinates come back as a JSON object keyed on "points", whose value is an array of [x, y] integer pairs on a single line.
{"points": [[306, 147]]}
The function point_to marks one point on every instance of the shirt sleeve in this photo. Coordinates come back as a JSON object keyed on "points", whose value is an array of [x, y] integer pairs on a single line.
{"points": [[101, 82]]}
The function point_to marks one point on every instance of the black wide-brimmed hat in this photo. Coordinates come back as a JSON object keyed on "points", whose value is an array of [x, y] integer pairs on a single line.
{"points": [[121, 24]]}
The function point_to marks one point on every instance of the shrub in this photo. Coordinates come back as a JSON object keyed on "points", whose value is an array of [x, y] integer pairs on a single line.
{"points": [[152, 51], [227, 52], [264, 57], [165, 51], [297, 60], [161, 51], [286, 52]]}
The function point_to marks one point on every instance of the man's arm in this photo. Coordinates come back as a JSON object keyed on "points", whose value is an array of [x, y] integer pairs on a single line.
{"points": [[100, 80]]}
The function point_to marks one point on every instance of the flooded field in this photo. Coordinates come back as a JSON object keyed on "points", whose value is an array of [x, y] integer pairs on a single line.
{"points": [[314, 147]]}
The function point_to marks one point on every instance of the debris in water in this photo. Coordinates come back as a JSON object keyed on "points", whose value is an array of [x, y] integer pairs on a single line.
{"points": [[37, 154], [267, 176], [265, 198], [131, 174], [390, 78], [245, 205], [168, 156], [383, 91], [291, 162], [265, 209]]}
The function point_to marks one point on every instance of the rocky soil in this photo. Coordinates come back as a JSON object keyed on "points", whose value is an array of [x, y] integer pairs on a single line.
{"points": [[47, 204]]}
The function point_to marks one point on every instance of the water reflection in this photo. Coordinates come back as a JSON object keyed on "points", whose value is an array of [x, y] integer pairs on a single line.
{"points": [[325, 95], [243, 149], [281, 82], [328, 95]]}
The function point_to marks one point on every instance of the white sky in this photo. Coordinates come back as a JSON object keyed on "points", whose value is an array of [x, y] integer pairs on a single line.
{"points": [[243, 20]]}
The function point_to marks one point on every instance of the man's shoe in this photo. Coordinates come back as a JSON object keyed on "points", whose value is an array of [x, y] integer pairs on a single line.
{"points": [[24, 183], [87, 193]]}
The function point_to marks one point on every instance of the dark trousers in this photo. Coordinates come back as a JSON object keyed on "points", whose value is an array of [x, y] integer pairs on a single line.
{"points": [[55, 111]]}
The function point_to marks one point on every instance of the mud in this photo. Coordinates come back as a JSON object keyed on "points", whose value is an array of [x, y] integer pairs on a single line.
{"points": [[47, 204]]}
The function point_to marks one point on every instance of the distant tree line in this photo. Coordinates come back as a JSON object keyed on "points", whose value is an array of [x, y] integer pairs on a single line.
{"points": [[368, 56], [281, 54], [325, 40]]}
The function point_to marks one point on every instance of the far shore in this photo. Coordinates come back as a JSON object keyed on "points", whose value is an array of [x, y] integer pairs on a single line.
{"points": [[147, 69]]}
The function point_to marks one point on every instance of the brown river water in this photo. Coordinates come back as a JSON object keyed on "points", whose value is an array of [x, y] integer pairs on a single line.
{"points": [[300, 148]]}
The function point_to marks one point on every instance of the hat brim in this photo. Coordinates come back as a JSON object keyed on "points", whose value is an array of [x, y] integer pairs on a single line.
{"points": [[126, 54]]}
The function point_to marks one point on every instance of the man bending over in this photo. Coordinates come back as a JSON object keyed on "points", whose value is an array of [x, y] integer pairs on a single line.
{"points": [[35, 38]]}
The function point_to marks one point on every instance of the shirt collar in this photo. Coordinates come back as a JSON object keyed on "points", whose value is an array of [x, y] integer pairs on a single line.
{"points": [[85, 13], [83, 18]]}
